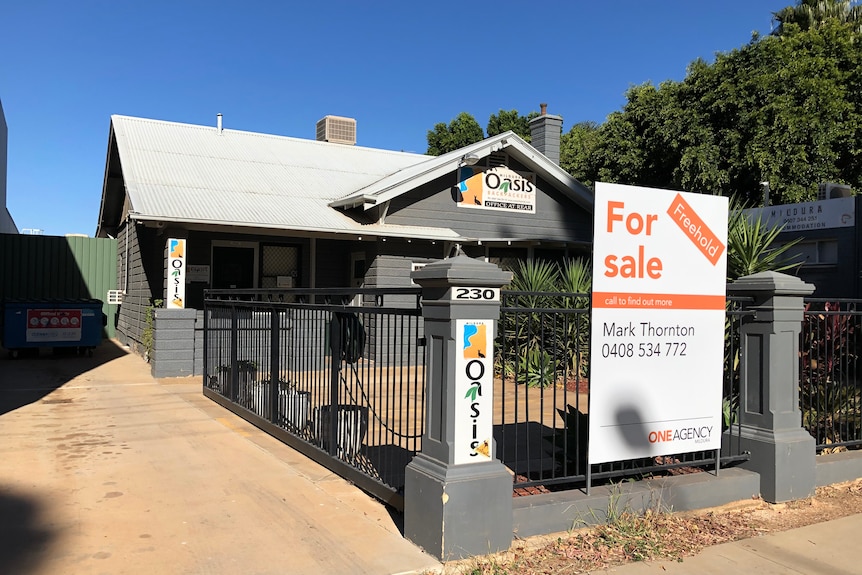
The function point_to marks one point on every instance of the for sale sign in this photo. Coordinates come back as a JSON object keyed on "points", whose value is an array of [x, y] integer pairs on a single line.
{"points": [[657, 334]]}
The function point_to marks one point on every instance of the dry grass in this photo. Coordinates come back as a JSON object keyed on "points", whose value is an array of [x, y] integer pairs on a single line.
{"points": [[660, 535]]}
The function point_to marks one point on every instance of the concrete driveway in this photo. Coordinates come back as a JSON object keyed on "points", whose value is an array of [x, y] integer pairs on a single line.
{"points": [[104, 470]]}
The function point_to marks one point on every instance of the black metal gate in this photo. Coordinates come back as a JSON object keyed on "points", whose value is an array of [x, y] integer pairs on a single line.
{"points": [[337, 375]]}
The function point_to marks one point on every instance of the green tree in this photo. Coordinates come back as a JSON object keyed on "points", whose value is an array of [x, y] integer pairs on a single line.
{"points": [[510, 120], [577, 151], [784, 109], [462, 131]]}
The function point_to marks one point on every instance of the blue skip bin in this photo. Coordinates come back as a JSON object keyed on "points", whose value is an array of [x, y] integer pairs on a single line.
{"points": [[53, 323]]}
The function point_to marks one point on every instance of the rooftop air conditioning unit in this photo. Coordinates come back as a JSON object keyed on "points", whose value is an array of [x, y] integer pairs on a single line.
{"points": [[831, 190], [336, 129]]}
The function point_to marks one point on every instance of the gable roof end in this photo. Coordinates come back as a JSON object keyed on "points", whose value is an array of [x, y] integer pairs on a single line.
{"points": [[416, 175]]}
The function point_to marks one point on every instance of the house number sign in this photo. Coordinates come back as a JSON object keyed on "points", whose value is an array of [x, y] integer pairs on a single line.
{"points": [[475, 294]]}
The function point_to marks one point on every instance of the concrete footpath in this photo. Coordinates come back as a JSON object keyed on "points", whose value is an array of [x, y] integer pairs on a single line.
{"points": [[104, 470], [830, 548]]}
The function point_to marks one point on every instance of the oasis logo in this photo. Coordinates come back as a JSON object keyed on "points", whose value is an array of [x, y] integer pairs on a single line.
{"points": [[176, 273], [498, 189], [506, 181], [698, 434], [474, 398]]}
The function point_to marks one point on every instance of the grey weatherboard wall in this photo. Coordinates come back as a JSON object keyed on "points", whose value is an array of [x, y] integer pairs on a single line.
{"points": [[136, 273], [557, 218], [59, 267]]}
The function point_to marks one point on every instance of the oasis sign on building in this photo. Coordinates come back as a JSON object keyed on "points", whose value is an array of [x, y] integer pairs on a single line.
{"points": [[176, 273], [657, 340], [496, 189]]}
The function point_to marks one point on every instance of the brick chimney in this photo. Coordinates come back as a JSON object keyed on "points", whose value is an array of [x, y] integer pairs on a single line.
{"points": [[545, 132]]}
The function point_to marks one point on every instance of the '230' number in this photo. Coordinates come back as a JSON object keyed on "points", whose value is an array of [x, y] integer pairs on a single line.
{"points": [[477, 293]]}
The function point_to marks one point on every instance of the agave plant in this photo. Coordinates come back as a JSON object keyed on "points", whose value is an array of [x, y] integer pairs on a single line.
{"points": [[536, 368], [536, 345], [576, 280], [535, 276], [525, 331], [750, 244]]}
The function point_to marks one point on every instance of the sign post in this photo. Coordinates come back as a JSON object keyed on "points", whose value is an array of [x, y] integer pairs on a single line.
{"points": [[657, 332], [457, 494]]}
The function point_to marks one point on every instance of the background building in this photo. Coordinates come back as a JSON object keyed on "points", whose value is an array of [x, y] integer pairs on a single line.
{"points": [[7, 224], [828, 237]]}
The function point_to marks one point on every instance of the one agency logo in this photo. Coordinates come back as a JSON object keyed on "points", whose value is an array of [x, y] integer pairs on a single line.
{"points": [[700, 434]]}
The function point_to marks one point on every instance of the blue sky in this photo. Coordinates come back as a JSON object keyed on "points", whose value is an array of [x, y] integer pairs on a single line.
{"points": [[278, 66]]}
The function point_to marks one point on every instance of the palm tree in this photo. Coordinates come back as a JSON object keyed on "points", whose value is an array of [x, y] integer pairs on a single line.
{"points": [[811, 14]]}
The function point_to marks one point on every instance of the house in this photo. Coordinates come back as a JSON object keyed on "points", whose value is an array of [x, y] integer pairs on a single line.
{"points": [[264, 211]]}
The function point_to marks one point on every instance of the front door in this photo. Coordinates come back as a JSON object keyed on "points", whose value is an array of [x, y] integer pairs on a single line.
{"points": [[233, 267]]}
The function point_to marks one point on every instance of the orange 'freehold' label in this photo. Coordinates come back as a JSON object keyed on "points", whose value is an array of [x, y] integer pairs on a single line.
{"points": [[695, 229]]}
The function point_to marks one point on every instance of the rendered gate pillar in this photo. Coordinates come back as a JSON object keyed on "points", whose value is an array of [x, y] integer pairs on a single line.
{"points": [[457, 495], [782, 451]]}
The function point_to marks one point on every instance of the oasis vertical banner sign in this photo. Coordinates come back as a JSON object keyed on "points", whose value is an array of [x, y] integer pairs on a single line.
{"points": [[474, 380], [657, 340], [176, 273]]}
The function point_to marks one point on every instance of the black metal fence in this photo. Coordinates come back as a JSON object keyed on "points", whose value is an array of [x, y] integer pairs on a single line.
{"points": [[338, 375], [830, 388], [310, 366], [541, 424], [542, 357]]}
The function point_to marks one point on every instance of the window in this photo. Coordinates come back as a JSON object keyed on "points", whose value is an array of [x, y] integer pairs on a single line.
{"points": [[815, 252]]}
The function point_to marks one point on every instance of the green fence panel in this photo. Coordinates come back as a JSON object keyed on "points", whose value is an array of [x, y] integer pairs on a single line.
{"points": [[51, 267]]}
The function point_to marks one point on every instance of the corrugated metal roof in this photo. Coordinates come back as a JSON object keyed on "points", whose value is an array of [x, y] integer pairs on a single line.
{"points": [[188, 173]]}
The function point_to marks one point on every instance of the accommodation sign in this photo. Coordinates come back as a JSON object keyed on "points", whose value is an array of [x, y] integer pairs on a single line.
{"points": [[657, 333], [474, 380], [804, 216], [496, 189], [176, 273]]}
